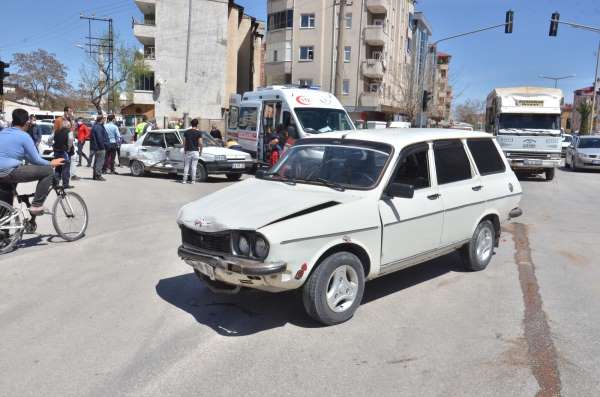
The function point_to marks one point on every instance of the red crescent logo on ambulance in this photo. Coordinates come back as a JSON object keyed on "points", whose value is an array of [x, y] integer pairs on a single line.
{"points": [[302, 100]]}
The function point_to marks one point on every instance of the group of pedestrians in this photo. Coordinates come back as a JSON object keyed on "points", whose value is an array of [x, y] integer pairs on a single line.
{"points": [[105, 141]]}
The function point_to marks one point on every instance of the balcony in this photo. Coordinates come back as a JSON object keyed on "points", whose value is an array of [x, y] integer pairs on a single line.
{"points": [[143, 97], [145, 32], [377, 6], [375, 35], [370, 99], [146, 6], [373, 68]]}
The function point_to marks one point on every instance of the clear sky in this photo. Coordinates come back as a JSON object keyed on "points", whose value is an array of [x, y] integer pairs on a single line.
{"points": [[479, 63]]}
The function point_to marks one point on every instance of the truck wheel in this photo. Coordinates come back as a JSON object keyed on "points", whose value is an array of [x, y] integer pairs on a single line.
{"points": [[201, 174], [234, 177], [335, 288], [137, 168], [550, 173], [477, 254]]}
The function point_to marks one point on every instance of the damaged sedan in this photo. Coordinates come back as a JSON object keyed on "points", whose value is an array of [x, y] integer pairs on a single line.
{"points": [[347, 207]]}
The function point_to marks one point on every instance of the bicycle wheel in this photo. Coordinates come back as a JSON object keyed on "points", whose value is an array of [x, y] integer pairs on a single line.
{"points": [[11, 227], [70, 216]]}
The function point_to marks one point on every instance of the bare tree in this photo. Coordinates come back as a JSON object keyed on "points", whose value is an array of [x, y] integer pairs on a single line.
{"points": [[128, 65], [41, 75], [471, 111]]}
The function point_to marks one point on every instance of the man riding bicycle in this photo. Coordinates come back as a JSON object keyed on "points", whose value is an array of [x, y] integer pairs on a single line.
{"points": [[15, 146]]}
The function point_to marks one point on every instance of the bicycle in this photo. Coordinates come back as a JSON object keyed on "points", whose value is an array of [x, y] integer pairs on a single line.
{"points": [[69, 209]]}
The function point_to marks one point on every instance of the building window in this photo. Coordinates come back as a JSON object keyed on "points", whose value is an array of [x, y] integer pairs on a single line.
{"points": [[275, 57], [305, 82], [149, 52], [307, 21], [307, 53], [145, 82], [349, 20], [280, 20], [347, 54], [346, 87]]}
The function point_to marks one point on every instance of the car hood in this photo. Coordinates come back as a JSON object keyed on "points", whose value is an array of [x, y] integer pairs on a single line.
{"points": [[255, 203], [231, 154], [589, 151]]}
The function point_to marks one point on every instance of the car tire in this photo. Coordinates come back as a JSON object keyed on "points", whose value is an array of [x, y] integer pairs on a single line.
{"points": [[478, 253], [137, 168], [201, 173], [234, 177], [550, 172], [341, 273]]}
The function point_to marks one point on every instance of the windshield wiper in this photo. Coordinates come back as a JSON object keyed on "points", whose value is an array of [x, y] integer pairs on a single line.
{"points": [[333, 185], [279, 178]]}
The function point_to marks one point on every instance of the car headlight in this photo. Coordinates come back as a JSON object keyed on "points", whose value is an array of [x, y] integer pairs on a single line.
{"points": [[220, 157], [261, 248], [243, 245]]}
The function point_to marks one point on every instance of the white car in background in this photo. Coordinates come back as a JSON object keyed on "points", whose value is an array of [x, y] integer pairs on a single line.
{"points": [[161, 151], [44, 147], [343, 208]]}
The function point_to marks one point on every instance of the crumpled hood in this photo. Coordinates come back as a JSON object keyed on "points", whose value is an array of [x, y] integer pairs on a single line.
{"points": [[254, 203]]}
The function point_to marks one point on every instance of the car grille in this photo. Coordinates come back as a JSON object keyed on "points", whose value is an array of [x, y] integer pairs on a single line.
{"points": [[214, 242], [531, 155]]}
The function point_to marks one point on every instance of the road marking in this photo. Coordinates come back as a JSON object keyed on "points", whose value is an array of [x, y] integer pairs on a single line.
{"points": [[541, 352]]}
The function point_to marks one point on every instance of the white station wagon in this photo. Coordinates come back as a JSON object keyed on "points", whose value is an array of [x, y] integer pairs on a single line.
{"points": [[347, 207]]}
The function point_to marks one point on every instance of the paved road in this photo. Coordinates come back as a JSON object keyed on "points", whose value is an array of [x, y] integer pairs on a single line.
{"points": [[118, 314]]}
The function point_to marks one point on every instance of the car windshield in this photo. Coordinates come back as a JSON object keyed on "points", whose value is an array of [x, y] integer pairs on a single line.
{"points": [[529, 121], [336, 166], [46, 129], [318, 120], [589, 143], [208, 140]]}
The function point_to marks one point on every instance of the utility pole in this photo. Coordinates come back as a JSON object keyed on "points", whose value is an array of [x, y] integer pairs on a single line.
{"points": [[99, 46], [339, 64], [556, 79], [593, 115]]}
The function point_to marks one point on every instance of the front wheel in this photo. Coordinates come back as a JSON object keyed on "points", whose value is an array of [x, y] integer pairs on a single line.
{"points": [[12, 226], [70, 216], [201, 173], [335, 288], [550, 173], [477, 254]]}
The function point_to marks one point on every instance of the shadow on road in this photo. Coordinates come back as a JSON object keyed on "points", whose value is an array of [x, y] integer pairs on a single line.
{"points": [[250, 311]]}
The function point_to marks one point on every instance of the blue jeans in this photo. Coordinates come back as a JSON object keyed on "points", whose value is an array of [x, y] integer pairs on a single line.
{"points": [[64, 171]]}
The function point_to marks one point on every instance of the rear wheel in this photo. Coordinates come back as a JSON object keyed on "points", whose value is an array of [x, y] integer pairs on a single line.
{"points": [[550, 173], [11, 227], [477, 254], [137, 168], [234, 177], [70, 216], [335, 288]]}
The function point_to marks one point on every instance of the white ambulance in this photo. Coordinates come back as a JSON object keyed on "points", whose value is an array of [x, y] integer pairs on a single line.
{"points": [[254, 115]]}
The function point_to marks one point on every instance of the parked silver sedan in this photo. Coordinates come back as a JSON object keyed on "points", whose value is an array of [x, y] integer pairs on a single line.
{"points": [[584, 153]]}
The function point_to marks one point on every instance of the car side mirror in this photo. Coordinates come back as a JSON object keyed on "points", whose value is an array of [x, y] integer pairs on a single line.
{"points": [[401, 190]]}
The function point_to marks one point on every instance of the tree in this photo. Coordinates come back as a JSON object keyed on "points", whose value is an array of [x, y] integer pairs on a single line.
{"points": [[471, 111], [41, 75], [584, 108], [128, 65]]}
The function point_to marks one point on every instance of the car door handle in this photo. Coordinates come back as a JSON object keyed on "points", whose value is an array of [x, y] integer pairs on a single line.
{"points": [[477, 188], [434, 196]]}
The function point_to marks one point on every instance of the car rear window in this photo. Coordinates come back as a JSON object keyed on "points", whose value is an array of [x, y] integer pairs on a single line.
{"points": [[451, 162], [486, 156]]}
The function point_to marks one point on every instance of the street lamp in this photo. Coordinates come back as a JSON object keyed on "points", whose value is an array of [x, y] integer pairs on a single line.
{"points": [[556, 79]]}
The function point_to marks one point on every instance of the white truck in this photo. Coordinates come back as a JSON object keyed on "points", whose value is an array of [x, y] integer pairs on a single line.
{"points": [[526, 122], [253, 115]]}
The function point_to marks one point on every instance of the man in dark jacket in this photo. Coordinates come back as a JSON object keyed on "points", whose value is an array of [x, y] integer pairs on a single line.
{"points": [[34, 131], [98, 143]]}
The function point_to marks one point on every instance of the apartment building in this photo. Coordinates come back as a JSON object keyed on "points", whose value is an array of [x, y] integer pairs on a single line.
{"points": [[442, 97], [198, 53], [585, 95], [302, 43]]}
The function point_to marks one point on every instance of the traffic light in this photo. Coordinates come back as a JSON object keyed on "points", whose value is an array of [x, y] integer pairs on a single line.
{"points": [[3, 75], [426, 99], [554, 24], [508, 27]]}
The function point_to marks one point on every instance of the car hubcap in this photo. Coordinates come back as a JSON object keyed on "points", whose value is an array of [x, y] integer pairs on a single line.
{"points": [[485, 244], [136, 168], [342, 288]]}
